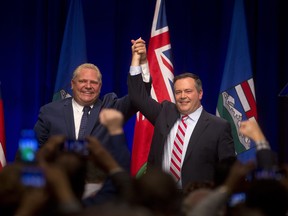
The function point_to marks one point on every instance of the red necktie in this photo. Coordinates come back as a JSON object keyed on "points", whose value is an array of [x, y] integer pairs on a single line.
{"points": [[176, 157]]}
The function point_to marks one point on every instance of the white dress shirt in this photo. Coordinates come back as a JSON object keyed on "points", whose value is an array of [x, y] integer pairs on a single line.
{"points": [[191, 122], [143, 69]]}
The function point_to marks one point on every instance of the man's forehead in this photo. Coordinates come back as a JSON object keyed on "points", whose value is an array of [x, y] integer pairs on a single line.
{"points": [[83, 74], [184, 82]]}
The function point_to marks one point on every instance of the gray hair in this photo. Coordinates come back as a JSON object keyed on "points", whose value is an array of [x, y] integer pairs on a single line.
{"points": [[87, 65]]}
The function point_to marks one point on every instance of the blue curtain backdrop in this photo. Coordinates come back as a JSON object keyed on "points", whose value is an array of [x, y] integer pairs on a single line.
{"points": [[32, 32]]}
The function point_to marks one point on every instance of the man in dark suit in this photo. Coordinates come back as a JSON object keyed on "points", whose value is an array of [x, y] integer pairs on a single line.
{"points": [[63, 116], [207, 139]]}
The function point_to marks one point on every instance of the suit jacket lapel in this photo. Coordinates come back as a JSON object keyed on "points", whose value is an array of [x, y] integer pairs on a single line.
{"points": [[69, 119], [170, 122], [200, 126], [93, 117], [164, 130]]}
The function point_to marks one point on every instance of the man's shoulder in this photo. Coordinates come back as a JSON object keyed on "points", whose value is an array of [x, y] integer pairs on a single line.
{"points": [[168, 106], [110, 100], [214, 117], [58, 103], [169, 109], [109, 96]]}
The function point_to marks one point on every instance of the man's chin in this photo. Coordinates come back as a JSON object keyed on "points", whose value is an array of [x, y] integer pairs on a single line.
{"points": [[89, 101], [183, 111]]}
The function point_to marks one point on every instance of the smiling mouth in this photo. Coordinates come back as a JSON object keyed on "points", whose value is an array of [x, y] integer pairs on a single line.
{"points": [[87, 93], [184, 102]]}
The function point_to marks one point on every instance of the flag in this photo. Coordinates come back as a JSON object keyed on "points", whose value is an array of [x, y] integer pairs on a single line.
{"points": [[2, 134], [161, 70], [73, 50], [237, 101]]}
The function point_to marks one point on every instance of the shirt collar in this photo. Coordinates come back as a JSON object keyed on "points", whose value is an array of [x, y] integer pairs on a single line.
{"points": [[77, 106], [196, 114]]}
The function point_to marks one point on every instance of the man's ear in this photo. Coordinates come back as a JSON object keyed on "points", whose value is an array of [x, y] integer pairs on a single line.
{"points": [[201, 94]]}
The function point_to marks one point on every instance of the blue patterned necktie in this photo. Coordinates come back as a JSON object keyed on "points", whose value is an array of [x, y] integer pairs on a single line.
{"points": [[83, 123]]}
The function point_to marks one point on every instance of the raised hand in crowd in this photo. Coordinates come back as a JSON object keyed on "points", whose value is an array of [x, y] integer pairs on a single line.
{"points": [[215, 202], [56, 196], [251, 129], [49, 150], [32, 202], [101, 157], [112, 120]]}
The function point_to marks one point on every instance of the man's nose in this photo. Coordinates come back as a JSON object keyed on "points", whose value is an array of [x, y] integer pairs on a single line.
{"points": [[183, 94], [88, 85]]}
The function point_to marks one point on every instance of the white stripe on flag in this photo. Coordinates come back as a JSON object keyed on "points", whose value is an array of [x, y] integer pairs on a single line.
{"points": [[153, 95], [242, 98], [154, 31], [167, 74]]}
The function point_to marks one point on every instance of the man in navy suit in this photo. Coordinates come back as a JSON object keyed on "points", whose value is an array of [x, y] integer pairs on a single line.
{"points": [[208, 138], [63, 116]]}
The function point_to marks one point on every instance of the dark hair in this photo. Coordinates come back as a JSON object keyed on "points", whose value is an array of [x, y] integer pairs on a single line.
{"points": [[268, 195], [191, 75], [157, 191]]}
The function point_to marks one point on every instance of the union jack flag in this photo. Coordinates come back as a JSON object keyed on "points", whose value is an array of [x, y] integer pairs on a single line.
{"points": [[237, 100], [161, 70]]}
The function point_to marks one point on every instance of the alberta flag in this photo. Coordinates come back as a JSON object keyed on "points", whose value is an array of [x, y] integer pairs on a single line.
{"points": [[2, 134], [73, 50], [161, 69], [237, 101]]}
